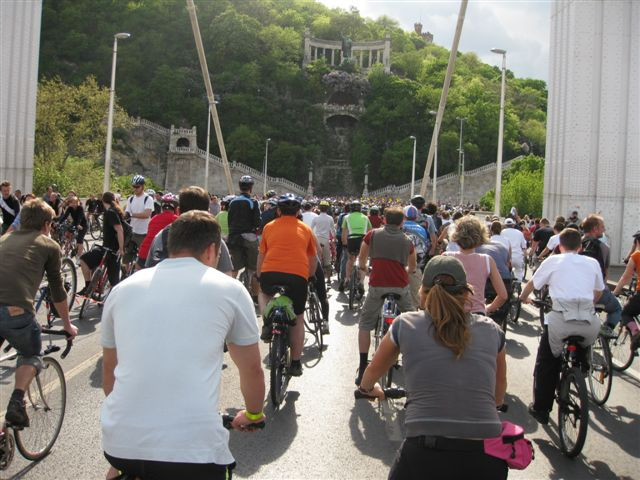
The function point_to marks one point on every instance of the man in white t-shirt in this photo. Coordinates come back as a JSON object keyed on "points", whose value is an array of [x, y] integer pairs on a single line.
{"points": [[324, 228], [575, 284], [139, 209], [496, 235], [518, 247], [163, 335], [308, 214]]}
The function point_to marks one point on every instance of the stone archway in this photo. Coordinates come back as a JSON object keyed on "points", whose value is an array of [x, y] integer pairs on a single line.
{"points": [[183, 143]]}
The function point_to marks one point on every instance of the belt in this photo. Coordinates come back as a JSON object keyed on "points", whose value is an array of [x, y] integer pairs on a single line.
{"points": [[444, 443]]}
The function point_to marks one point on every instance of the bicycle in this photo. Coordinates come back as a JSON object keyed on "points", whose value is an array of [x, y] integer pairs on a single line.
{"points": [[388, 314], [515, 304], [622, 354], [130, 267], [600, 370], [571, 395], [356, 287], [313, 316], [99, 286], [94, 225], [65, 235], [279, 314], [45, 402]]}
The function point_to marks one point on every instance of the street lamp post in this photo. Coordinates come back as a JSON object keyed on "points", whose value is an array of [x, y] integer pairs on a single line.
{"points": [[266, 160], [107, 155], [206, 162], [500, 131], [435, 163], [461, 160], [413, 168]]}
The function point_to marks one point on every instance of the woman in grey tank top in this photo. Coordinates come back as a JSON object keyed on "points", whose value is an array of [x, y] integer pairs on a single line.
{"points": [[455, 371]]}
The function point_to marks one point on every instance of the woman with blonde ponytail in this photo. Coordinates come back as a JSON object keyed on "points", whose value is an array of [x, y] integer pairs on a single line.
{"points": [[455, 375]]}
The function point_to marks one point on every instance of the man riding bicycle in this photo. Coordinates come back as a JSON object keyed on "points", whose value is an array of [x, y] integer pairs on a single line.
{"points": [[244, 222], [21, 275], [355, 226], [575, 284], [287, 258], [393, 259]]}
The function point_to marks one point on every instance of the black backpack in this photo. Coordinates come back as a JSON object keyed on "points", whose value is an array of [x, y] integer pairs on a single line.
{"points": [[591, 247]]}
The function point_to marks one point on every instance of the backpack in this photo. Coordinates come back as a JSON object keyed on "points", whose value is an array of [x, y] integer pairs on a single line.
{"points": [[591, 248], [420, 245]]}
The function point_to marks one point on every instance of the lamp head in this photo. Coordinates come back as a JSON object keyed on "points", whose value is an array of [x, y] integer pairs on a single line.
{"points": [[412, 137], [499, 51], [268, 139], [432, 112], [122, 36]]}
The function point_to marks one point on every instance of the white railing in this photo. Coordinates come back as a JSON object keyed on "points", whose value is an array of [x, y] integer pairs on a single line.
{"points": [[182, 131], [151, 126], [182, 149], [396, 190]]}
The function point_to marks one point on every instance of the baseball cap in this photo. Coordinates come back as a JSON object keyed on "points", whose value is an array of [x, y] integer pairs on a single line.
{"points": [[444, 265], [509, 221]]}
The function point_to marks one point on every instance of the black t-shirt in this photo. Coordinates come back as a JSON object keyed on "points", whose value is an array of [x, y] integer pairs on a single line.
{"points": [[8, 217], [77, 215], [542, 236], [92, 205], [109, 235]]}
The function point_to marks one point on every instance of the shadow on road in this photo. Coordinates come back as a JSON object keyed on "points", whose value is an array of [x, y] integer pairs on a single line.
{"points": [[266, 446], [613, 422], [95, 379], [346, 317], [369, 434], [517, 349]]}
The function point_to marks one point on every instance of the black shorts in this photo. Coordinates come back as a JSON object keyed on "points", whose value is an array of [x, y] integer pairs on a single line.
{"points": [[93, 257], [353, 245], [170, 470], [295, 288]]}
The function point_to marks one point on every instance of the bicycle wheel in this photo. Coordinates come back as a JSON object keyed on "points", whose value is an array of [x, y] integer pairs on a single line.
{"points": [[93, 284], [69, 280], [95, 229], [278, 361], [316, 319], [516, 305], [573, 412], [45, 403], [353, 285], [620, 347], [600, 372]]}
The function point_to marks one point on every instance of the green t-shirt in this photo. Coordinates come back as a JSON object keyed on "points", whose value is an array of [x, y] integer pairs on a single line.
{"points": [[223, 220], [356, 223]]}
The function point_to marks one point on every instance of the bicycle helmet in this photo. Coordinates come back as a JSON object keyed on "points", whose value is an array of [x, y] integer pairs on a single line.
{"points": [[246, 181], [289, 200], [273, 202], [355, 206], [150, 191], [374, 209], [137, 180], [324, 203], [418, 201], [271, 193], [227, 200], [410, 212], [169, 200]]}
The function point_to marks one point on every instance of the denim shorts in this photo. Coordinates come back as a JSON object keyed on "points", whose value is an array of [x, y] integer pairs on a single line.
{"points": [[23, 333]]}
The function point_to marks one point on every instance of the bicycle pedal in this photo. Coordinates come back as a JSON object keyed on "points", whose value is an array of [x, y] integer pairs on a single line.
{"points": [[51, 349]]}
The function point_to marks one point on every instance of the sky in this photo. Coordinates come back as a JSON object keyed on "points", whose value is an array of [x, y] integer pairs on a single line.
{"points": [[519, 27]]}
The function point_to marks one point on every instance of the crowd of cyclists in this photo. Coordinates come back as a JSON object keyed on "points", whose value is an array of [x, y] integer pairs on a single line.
{"points": [[451, 273]]}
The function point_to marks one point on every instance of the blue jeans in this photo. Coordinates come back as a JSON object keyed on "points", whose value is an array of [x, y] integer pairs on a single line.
{"points": [[23, 333], [611, 306]]}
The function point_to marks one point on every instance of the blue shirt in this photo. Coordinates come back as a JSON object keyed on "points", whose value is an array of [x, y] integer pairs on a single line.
{"points": [[418, 236]]}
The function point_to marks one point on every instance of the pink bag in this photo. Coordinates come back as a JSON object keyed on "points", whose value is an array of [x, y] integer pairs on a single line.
{"points": [[511, 446]]}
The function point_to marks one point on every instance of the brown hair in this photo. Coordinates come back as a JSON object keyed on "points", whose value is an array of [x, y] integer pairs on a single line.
{"points": [[393, 215], [591, 222], [6, 183], [469, 233], [496, 227], [570, 239], [449, 316], [34, 214], [558, 227], [193, 198], [110, 198], [193, 232]]}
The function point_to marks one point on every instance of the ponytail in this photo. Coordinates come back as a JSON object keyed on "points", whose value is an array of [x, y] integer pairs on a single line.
{"points": [[449, 317], [110, 198]]}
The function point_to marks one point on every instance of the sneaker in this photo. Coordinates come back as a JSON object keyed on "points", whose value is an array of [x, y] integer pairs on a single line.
{"points": [[83, 291], [541, 417], [266, 333], [607, 332], [325, 327], [16, 415], [295, 370]]}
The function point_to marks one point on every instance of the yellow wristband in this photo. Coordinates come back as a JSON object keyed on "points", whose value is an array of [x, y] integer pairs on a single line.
{"points": [[254, 417]]}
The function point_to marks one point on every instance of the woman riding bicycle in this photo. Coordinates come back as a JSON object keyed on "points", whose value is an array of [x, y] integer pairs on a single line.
{"points": [[632, 307], [455, 372], [79, 221]]}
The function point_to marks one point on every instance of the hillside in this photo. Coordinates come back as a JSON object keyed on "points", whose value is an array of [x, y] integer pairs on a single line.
{"points": [[254, 50]]}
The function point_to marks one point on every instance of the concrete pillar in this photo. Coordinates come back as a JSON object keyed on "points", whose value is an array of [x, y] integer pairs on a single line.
{"points": [[370, 57], [593, 116], [307, 48], [387, 53], [333, 52]]}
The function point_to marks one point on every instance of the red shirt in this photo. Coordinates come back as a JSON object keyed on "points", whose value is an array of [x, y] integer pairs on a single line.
{"points": [[386, 272], [376, 221], [156, 224]]}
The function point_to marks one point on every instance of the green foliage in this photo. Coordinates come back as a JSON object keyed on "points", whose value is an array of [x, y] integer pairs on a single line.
{"points": [[522, 187], [254, 52]]}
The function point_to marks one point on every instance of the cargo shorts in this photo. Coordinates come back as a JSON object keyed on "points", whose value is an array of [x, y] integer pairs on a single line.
{"points": [[20, 328]]}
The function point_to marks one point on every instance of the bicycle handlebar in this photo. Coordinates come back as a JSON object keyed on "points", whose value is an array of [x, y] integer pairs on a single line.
{"points": [[388, 393], [227, 421], [50, 331], [541, 303]]}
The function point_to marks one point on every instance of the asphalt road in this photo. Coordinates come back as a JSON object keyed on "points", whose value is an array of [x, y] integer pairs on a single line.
{"points": [[322, 432]]}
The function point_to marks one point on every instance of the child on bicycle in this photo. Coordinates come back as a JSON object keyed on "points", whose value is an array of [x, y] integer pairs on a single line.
{"points": [[575, 284]]}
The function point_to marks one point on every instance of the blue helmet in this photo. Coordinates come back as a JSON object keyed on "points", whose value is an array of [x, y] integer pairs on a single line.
{"points": [[137, 180]]}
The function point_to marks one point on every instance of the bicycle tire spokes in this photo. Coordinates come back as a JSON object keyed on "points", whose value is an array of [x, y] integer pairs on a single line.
{"points": [[573, 412]]}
